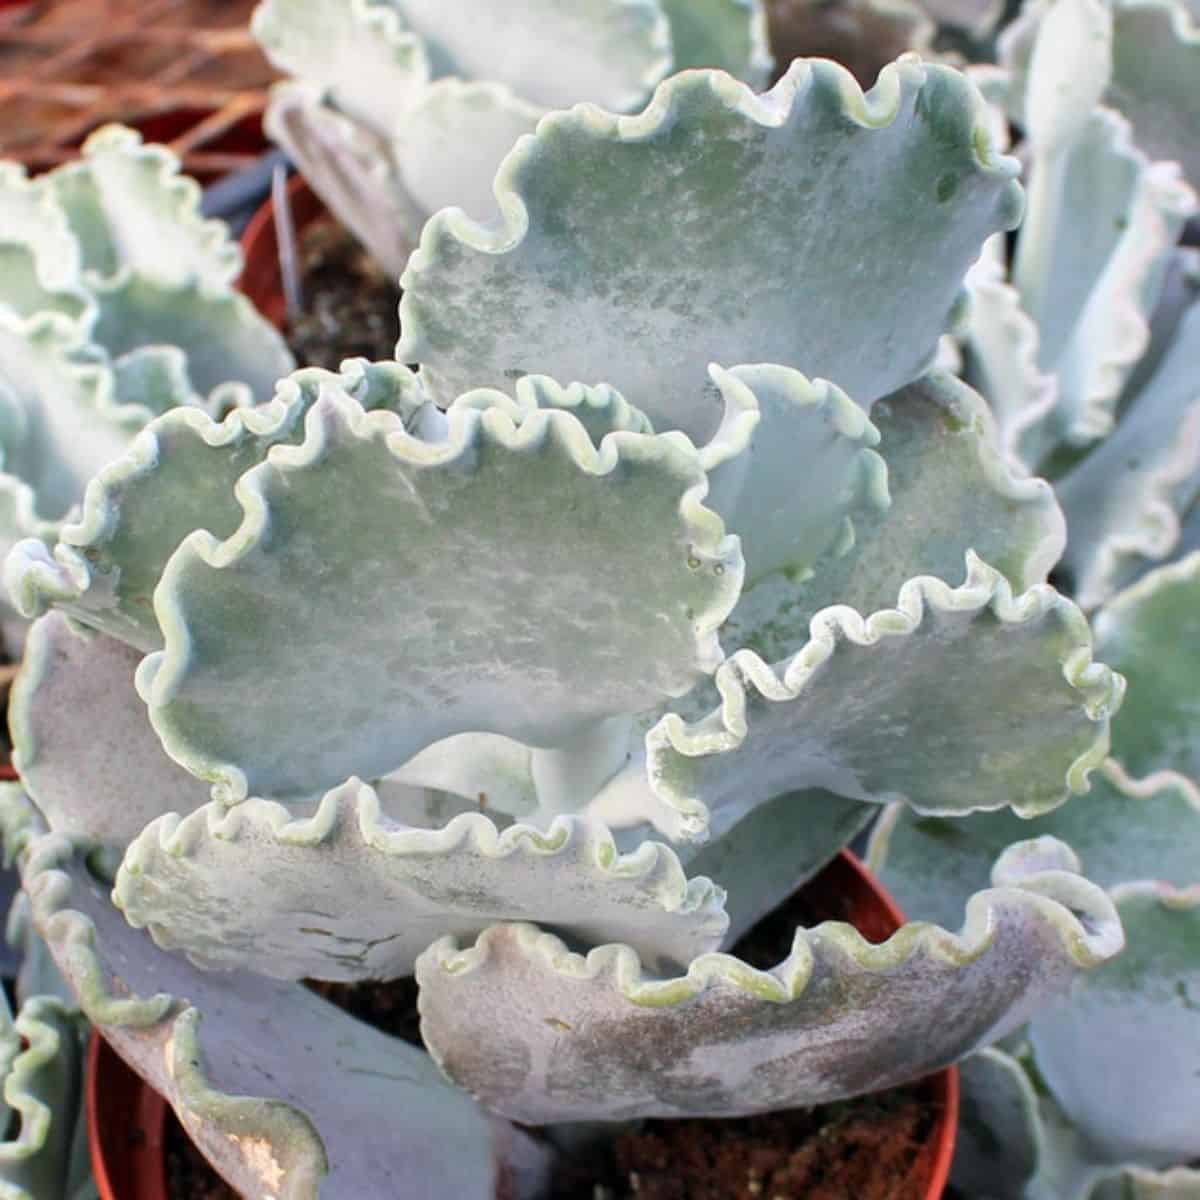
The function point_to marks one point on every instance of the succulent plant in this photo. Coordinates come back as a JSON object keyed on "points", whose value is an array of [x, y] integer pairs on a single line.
{"points": [[44, 1150], [1087, 347], [398, 108], [425, 671], [116, 304]]}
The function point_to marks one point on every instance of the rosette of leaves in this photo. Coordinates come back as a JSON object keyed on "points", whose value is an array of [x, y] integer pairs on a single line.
{"points": [[1085, 342], [116, 304], [397, 108], [1088, 345], [43, 1148], [546, 692], [1097, 1099]]}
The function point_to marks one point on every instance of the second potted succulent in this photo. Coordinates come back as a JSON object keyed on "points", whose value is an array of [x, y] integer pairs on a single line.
{"points": [[427, 672]]}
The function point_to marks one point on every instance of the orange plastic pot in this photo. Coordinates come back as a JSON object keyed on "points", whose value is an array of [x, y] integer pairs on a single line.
{"points": [[127, 1119], [127, 1127], [262, 278], [846, 891]]}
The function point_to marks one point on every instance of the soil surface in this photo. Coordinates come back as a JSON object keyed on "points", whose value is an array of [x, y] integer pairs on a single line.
{"points": [[349, 303], [189, 1177]]}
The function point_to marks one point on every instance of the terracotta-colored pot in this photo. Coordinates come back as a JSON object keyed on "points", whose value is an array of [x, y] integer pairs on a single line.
{"points": [[127, 1119], [262, 279], [857, 897], [127, 1125]]}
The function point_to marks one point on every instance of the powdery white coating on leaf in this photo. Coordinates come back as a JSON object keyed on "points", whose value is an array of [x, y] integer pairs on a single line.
{"points": [[941, 489], [349, 895], [81, 740], [609, 51], [72, 422], [957, 700], [1125, 500], [222, 335], [1121, 830], [132, 211], [540, 1033], [453, 138], [31, 217], [516, 617], [41, 1066], [178, 475], [355, 53], [1151, 633], [254, 1065], [1093, 279], [787, 482], [1155, 59], [636, 249], [1137, 1021], [1001, 361]]}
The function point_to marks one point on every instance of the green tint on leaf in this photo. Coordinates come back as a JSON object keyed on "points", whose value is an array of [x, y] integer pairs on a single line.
{"points": [[950, 492], [348, 895], [957, 700], [365, 523], [1123, 1057], [75, 716], [839, 1017], [719, 225], [1151, 633]]}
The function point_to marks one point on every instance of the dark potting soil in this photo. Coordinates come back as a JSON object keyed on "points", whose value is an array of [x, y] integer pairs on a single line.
{"points": [[189, 1177], [349, 303]]}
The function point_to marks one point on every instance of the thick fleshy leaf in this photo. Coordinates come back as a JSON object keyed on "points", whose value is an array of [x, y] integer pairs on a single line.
{"points": [[998, 1145], [285, 1095], [728, 34], [1001, 360], [129, 207], [1090, 265], [611, 52], [1151, 633], [178, 475], [1123, 1057], [786, 484], [453, 138], [1070, 64], [224, 337], [957, 700], [356, 53], [1125, 499], [25, 294], [31, 217], [622, 582], [782, 844], [1121, 830], [1155, 58], [349, 895], [950, 492], [81, 740], [1071, 1169], [699, 279], [41, 1064], [539, 1033], [70, 422], [350, 168]]}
